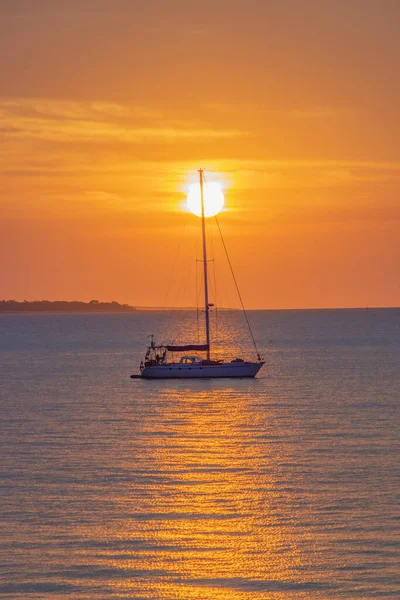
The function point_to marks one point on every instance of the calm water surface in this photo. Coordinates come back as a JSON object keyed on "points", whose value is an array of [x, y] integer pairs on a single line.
{"points": [[284, 487]]}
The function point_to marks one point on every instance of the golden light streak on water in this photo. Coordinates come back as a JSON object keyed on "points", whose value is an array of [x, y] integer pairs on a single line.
{"points": [[210, 503]]}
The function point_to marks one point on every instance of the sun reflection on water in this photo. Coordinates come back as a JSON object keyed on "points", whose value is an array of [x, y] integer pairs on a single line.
{"points": [[202, 517]]}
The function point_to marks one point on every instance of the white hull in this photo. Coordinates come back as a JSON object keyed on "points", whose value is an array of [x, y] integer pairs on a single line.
{"points": [[183, 371]]}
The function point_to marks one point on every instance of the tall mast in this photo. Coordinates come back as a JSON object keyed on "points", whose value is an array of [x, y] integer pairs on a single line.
{"points": [[203, 229]]}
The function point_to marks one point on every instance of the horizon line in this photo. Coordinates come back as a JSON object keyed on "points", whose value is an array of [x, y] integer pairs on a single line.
{"points": [[144, 308]]}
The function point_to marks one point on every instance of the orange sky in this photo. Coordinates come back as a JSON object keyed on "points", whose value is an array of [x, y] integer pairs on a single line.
{"points": [[108, 108]]}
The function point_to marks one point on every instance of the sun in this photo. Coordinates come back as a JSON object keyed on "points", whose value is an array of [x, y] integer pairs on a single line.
{"points": [[213, 199]]}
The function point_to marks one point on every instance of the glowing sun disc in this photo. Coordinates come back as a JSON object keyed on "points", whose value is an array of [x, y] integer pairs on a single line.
{"points": [[213, 199]]}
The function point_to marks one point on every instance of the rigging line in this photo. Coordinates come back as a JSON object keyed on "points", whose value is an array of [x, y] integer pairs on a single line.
{"points": [[209, 238], [216, 303], [237, 289], [214, 281], [185, 273], [175, 298], [222, 297], [181, 293], [199, 285], [177, 253], [197, 305]]}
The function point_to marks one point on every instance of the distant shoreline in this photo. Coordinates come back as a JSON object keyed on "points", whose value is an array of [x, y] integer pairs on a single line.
{"points": [[62, 306]]}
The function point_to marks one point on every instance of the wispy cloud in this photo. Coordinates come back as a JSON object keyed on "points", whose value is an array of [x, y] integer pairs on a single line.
{"points": [[101, 121], [173, 174], [296, 174], [58, 145], [260, 165], [311, 112], [314, 113], [97, 121], [96, 110]]}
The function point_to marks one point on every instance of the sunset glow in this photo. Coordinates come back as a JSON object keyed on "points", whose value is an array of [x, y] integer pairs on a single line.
{"points": [[292, 104]]}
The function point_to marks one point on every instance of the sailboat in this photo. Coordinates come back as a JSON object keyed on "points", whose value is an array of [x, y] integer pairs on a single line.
{"points": [[156, 364]]}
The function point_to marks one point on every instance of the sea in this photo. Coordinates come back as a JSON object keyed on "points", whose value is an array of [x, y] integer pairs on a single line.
{"points": [[282, 487]]}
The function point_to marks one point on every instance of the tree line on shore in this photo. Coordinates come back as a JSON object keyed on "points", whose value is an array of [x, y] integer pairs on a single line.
{"points": [[63, 306]]}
